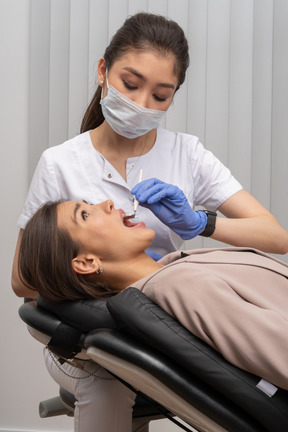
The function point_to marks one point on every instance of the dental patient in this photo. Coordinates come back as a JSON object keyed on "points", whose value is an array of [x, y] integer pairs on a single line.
{"points": [[234, 299]]}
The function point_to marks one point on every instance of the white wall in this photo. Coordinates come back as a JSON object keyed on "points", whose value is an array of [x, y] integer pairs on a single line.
{"points": [[24, 380], [235, 99]]}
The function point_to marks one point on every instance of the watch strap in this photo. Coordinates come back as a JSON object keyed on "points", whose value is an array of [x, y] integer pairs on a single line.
{"points": [[211, 223]]}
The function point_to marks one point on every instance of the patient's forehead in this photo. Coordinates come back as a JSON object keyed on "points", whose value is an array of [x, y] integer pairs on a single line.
{"points": [[67, 212]]}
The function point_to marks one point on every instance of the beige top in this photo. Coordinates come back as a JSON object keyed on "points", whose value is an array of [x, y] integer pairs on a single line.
{"points": [[235, 299]]}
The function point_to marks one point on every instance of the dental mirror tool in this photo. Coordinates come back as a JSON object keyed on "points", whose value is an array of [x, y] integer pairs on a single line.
{"points": [[136, 202]]}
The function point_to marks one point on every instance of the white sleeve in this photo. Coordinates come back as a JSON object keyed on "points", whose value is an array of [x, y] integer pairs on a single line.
{"points": [[44, 187], [213, 181]]}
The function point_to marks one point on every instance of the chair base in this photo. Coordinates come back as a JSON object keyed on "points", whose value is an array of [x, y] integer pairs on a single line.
{"points": [[54, 407]]}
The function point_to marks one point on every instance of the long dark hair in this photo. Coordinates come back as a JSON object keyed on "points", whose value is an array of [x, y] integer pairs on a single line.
{"points": [[45, 261], [141, 32]]}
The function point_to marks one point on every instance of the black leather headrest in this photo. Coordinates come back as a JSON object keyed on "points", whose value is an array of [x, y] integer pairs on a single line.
{"points": [[84, 315]]}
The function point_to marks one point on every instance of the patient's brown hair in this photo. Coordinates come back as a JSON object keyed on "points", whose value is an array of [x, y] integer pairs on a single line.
{"points": [[45, 261]]}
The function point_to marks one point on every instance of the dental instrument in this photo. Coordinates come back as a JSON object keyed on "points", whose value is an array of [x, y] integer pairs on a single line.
{"points": [[135, 202]]}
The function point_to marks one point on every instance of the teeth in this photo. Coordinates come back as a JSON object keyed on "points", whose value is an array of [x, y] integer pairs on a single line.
{"points": [[129, 217]]}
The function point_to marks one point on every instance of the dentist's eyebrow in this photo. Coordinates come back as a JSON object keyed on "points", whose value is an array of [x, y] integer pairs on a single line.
{"points": [[139, 75], [134, 72]]}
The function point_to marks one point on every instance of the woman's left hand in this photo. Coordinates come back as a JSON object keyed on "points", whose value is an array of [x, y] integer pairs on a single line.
{"points": [[171, 206]]}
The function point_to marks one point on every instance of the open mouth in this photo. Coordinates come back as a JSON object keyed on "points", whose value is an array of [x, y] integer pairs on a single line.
{"points": [[127, 221]]}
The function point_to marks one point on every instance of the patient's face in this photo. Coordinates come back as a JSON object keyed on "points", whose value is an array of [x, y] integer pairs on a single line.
{"points": [[101, 230]]}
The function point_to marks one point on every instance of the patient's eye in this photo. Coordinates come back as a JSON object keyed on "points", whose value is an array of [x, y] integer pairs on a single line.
{"points": [[84, 215]]}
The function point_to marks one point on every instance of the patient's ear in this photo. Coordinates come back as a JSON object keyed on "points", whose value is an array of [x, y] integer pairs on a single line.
{"points": [[85, 264]]}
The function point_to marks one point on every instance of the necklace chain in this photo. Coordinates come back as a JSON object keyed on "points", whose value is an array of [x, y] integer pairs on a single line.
{"points": [[132, 165]]}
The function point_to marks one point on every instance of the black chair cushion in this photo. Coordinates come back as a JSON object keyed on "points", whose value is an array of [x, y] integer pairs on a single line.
{"points": [[137, 314], [84, 315], [174, 377], [67, 322]]}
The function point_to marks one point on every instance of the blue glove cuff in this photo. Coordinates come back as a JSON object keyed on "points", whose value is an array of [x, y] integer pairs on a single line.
{"points": [[197, 228], [154, 255]]}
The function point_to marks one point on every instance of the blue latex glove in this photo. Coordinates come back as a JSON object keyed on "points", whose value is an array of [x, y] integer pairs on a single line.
{"points": [[170, 205], [154, 255]]}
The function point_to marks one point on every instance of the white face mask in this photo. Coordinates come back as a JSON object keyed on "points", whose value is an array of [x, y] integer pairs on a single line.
{"points": [[126, 117]]}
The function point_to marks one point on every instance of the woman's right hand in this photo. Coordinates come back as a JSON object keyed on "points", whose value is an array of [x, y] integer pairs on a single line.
{"points": [[171, 206]]}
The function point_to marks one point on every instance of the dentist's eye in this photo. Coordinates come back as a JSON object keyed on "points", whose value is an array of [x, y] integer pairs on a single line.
{"points": [[129, 86], [84, 215], [159, 98]]}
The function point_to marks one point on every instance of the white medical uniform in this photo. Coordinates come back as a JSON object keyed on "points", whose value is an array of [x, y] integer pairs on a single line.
{"points": [[76, 171]]}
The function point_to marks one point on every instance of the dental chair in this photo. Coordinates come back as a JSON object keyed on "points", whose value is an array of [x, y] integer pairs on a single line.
{"points": [[154, 355], [67, 342]]}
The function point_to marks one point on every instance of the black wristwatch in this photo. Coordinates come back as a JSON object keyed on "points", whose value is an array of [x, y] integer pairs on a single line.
{"points": [[211, 222]]}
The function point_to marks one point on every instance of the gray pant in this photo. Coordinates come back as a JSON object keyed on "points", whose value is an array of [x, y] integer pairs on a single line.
{"points": [[103, 403]]}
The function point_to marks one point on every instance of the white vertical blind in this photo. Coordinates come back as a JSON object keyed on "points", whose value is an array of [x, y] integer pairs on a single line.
{"points": [[217, 78], [235, 97], [240, 90], [262, 91], [78, 63], [279, 147], [98, 40], [59, 71], [39, 81]]}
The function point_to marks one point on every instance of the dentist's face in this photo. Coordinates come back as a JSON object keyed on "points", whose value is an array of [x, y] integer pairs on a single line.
{"points": [[100, 229], [146, 77]]}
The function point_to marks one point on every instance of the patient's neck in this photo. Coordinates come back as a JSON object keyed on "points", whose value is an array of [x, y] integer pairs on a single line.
{"points": [[124, 274]]}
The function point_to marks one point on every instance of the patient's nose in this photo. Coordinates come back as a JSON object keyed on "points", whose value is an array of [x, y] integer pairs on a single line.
{"points": [[108, 206]]}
